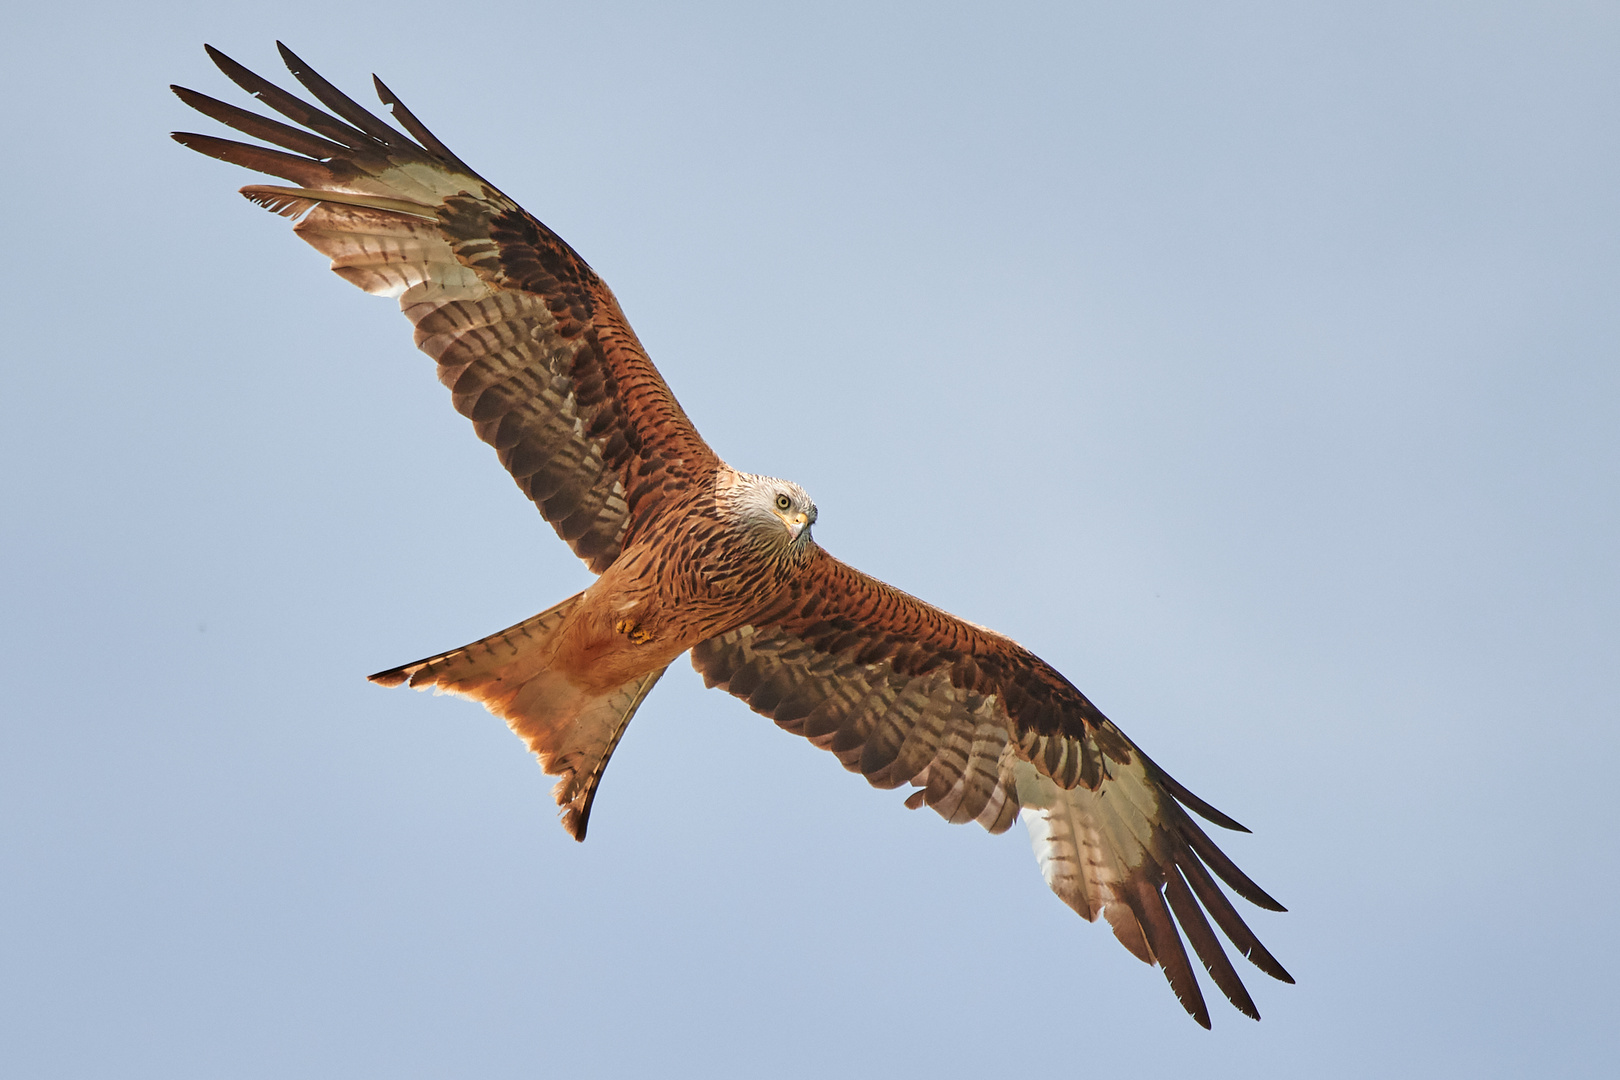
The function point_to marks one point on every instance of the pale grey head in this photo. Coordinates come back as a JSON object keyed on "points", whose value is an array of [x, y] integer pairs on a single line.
{"points": [[775, 513]]}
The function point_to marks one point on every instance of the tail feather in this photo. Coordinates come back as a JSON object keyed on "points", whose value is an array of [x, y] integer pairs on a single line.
{"points": [[487, 669], [605, 725], [573, 731]]}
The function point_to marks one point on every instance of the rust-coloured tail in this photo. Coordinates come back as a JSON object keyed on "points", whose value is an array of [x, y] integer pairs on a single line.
{"points": [[572, 731]]}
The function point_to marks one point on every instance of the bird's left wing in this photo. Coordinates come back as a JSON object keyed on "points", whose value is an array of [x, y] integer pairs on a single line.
{"points": [[529, 340], [905, 693]]}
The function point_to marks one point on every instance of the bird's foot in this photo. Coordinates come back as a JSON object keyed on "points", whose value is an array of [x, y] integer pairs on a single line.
{"points": [[632, 630]]}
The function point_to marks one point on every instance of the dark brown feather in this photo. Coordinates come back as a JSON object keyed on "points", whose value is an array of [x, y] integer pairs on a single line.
{"points": [[1204, 942], [300, 170], [1217, 860], [418, 130], [1142, 894], [289, 105], [1227, 918], [1193, 802], [341, 103], [260, 127]]}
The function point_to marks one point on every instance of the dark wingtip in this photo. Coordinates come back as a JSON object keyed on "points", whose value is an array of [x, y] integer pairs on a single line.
{"points": [[1197, 1010], [1202, 808], [1265, 901], [221, 61], [1191, 801], [418, 130], [574, 822], [294, 62], [391, 677]]}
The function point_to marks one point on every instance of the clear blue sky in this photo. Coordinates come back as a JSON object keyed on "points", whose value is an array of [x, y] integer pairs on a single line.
{"points": [[1256, 364]]}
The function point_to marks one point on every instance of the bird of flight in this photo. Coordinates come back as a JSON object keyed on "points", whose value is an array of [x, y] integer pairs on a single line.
{"points": [[695, 556]]}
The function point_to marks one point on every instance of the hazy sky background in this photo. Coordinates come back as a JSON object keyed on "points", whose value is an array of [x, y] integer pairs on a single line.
{"points": [[1256, 364]]}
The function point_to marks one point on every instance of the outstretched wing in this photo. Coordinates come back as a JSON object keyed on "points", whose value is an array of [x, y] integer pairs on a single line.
{"points": [[905, 693], [529, 340]]}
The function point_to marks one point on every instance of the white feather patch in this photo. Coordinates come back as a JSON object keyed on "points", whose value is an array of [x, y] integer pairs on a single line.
{"points": [[1087, 842]]}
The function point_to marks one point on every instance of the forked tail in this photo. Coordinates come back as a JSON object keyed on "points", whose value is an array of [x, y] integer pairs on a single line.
{"points": [[572, 731]]}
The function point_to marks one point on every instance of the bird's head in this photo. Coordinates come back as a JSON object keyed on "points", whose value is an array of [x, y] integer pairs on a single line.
{"points": [[778, 512]]}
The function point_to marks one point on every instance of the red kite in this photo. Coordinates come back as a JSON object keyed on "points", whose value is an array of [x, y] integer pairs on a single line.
{"points": [[695, 556]]}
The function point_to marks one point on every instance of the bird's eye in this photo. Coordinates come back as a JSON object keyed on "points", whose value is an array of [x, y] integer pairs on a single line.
{"points": [[783, 502]]}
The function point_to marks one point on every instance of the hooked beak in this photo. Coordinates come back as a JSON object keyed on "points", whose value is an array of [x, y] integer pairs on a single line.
{"points": [[797, 523]]}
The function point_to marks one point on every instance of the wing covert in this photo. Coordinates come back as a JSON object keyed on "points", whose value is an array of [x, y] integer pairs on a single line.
{"points": [[530, 341]]}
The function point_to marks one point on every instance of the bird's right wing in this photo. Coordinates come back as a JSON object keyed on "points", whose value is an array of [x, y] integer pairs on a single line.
{"points": [[529, 340], [904, 693]]}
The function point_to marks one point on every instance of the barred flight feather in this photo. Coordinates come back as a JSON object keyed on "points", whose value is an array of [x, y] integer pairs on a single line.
{"points": [[1104, 821]]}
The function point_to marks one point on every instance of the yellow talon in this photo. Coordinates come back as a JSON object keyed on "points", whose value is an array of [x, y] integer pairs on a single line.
{"points": [[635, 633]]}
